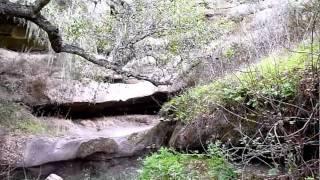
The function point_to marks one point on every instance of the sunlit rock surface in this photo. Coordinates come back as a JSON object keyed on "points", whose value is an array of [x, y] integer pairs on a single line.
{"points": [[101, 139], [53, 177], [34, 79]]}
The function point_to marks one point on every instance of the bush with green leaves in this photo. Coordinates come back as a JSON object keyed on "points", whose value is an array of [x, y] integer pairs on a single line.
{"points": [[102, 27], [168, 164], [272, 78]]}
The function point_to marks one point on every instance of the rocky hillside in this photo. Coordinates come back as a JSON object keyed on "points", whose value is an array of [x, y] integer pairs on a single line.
{"points": [[204, 90]]}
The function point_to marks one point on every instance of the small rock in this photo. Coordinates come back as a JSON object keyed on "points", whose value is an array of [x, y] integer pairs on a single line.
{"points": [[3, 132], [53, 177]]}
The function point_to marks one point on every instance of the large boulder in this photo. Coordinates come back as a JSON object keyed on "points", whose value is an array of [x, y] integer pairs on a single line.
{"points": [[87, 97], [101, 139], [53, 177], [34, 79], [42, 150], [221, 126]]}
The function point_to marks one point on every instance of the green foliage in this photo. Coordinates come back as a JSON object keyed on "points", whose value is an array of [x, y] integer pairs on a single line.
{"points": [[229, 53], [224, 24], [186, 25], [16, 119], [174, 47], [163, 165], [77, 28], [191, 103], [178, 20], [218, 165], [273, 78], [168, 164], [309, 178]]}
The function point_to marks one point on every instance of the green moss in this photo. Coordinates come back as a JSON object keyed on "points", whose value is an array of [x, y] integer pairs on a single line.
{"points": [[274, 78], [102, 44], [229, 53], [225, 24], [168, 164], [78, 28], [16, 119], [174, 46], [188, 26]]}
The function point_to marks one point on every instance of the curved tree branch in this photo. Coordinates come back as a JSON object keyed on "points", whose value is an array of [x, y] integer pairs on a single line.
{"points": [[33, 14], [39, 4]]}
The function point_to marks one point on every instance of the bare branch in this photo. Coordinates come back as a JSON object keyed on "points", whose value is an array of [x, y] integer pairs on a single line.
{"points": [[33, 14], [39, 4]]}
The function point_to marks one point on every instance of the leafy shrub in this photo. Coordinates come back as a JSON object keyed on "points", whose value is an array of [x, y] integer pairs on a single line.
{"points": [[169, 164], [163, 165], [270, 79], [229, 53]]}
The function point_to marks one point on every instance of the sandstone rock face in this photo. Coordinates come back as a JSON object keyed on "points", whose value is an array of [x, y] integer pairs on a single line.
{"points": [[37, 81], [3, 131], [248, 30], [44, 150], [85, 98], [19, 35], [101, 139], [53, 177], [63, 92], [33, 79]]}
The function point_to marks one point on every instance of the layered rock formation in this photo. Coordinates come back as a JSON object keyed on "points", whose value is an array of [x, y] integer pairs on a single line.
{"points": [[33, 80], [37, 80], [89, 97], [97, 139]]}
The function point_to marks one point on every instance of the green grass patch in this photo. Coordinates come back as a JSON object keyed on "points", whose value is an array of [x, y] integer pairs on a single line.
{"points": [[272, 78], [16, 119], [168, 164], [229, 53]]}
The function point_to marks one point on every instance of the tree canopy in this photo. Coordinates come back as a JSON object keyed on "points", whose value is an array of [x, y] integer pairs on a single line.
{"points": [[115, 31]]}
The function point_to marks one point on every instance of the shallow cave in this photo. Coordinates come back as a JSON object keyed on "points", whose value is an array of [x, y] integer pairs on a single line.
{"points": [[81, 110], [15, 35]]}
